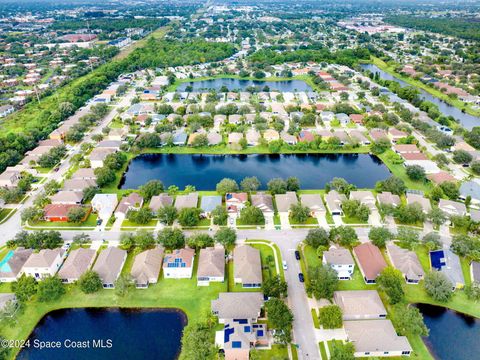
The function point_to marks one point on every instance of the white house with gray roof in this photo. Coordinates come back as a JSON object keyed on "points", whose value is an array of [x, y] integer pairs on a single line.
{"points": [[454, 208], [44, 263], [376, 338], [340, 260], [238, 305], [360, 304]]}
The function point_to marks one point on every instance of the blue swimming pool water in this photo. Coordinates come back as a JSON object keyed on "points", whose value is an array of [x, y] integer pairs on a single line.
{"points": [[4, 267]]}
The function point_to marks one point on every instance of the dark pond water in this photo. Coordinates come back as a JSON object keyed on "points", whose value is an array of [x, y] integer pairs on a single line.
{"points": [[237, 84], [468, 121], [205, 171], [134, 334], [453, 336]]}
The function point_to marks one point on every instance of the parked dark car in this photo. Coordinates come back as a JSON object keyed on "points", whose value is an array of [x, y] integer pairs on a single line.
{"points": [[301, 277], [297, 254]]}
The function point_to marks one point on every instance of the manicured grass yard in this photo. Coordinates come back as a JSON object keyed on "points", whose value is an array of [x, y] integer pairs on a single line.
{"points": [[127, 223], [4, 213], [316, 322], [277, 352], [323, 352]]}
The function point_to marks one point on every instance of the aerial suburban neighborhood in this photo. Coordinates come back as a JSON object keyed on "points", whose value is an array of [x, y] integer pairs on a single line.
{"points": [[240, 180]]}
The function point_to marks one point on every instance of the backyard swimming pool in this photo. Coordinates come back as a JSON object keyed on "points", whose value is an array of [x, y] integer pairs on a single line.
{"points": [[4, 267]]}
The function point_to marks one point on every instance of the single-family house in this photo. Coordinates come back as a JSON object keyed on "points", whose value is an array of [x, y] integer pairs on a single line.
{"points": [[365, 198], [340, 260], [334, 202], [131, 202], [285, 201], [450, 207], [214, 138], [359, 137], [253, 137], [314, 203], [235, 202], [306, 136], [234, 137], [67, 198], [407, 262], [441, 177], [186, 201], [84, 174], [370, 261], [394, 134], [58, 212], [159, 201], [179, 264], [109, 265], [376, 338], [247, 266], [98, 155], [419, 199], [78, 184], [360, 304], [104, 205], [211, 266], [44, 263], [10, 178], [12, 264], [76, 264], [208, 203], [146, 267], [271, 135], [447, 262], [389, 199], [237, 305], [287, 138], [264, 202]]}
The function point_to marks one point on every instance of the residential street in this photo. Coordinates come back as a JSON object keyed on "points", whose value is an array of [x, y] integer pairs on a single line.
{"points": [[13, 225]]}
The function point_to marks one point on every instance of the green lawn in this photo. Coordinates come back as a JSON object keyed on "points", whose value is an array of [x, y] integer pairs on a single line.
{"points": [[277, 352], [4, 213], [127, 223], [310, 221], [353, 220], [323, 352], [167, 293], [316, 322], [294, 351]]}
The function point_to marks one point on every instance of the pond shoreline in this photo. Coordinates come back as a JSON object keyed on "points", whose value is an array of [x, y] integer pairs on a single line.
{"points": [[314, 170], [121, 314]]}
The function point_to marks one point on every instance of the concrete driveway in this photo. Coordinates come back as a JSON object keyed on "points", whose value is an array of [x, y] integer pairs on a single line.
{"points": [[375, 219], [269, 223], [337, 220], [284, 221]]}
